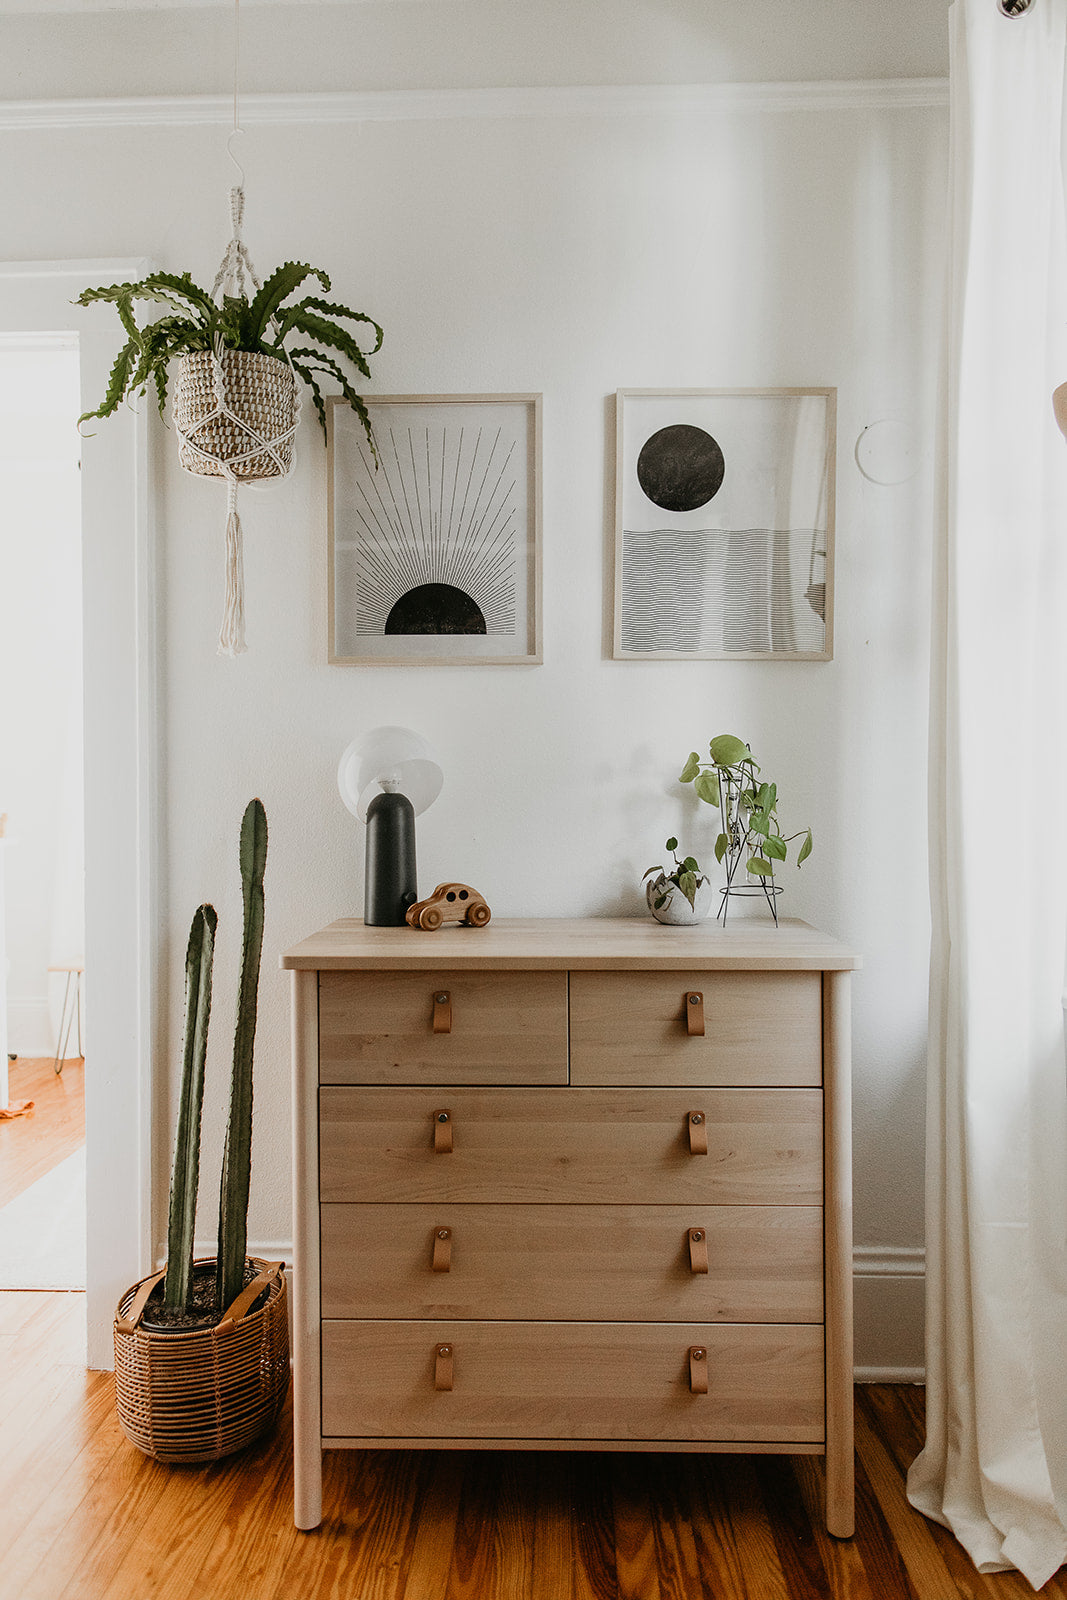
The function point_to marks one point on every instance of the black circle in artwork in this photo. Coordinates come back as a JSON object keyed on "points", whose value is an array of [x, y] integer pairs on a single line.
{"points": [[435, 608], [680, 467]]}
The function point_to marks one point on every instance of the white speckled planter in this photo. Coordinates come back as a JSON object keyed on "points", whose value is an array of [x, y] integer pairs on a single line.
{"points": [[676, 910]]}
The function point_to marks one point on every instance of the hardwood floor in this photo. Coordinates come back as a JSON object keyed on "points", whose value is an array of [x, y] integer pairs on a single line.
{"points": [[84, 1516], [33, 1144]]}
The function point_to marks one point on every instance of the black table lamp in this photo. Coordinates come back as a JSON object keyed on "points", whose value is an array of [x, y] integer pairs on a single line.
{"points": [[386, 778]]}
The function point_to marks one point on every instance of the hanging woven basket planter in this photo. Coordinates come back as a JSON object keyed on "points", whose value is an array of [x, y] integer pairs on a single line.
{"points": [[198, 1396], [249, 430]]}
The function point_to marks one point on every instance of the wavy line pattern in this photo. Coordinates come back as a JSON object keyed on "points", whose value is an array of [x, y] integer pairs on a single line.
{"points": [[722, 589]]}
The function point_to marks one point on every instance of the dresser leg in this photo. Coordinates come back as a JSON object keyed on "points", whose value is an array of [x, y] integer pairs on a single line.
{"points": [[837, 1223], [307, 1487]]}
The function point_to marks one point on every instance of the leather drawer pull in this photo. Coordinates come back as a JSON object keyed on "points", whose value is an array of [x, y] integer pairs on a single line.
{"points": [[442, 1370], [442, 1132], [694, 1014], [698, 1250], [442, 1250], [442, 1011], [697, 1123], [698, 1369]]}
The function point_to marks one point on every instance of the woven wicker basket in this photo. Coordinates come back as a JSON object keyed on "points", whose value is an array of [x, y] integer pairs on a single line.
{"points": [[188, 1397], [261, 389]]}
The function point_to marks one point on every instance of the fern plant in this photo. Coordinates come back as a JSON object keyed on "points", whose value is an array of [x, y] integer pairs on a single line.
{"points": [[308, 332]]}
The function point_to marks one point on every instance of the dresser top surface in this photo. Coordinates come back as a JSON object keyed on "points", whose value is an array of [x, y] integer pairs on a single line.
{"points": [[573, 943]]}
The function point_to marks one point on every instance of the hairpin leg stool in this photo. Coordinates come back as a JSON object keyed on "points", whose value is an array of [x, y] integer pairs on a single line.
{"points": [[71, 1013]]}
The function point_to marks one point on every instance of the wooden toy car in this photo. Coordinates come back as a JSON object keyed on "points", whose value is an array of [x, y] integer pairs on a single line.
{"points": [[450, 902]]}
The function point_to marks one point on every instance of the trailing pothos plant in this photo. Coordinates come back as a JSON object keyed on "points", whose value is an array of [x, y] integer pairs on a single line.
{"points": [[686, 876], [303, 332], [750, 832]]}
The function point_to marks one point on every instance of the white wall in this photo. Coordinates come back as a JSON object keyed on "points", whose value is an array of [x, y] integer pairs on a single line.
{"points": [[571, 255], [40, 679]]}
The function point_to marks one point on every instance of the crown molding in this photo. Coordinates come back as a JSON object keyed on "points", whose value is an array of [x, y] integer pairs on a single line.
{"points": [[423, 105]]}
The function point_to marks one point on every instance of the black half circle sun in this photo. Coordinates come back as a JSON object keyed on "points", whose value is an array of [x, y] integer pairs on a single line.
{"points": [[437, 516], [435, 608], [680, 467]]}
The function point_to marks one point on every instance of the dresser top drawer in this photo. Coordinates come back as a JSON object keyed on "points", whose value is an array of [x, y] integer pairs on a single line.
{"points": [[444, 1026], [693, 1027]]}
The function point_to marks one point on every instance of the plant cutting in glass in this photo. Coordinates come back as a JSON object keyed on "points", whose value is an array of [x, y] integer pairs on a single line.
{"points": [[686, 876], [750, 829]]}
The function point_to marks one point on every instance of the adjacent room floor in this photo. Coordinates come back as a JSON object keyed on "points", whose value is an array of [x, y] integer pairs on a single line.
{"points": [[42, 1178]]}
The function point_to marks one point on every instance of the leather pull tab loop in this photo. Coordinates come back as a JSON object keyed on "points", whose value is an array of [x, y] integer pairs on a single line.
{"points": [[697, 1123], [442, 1011], [694, 1014], [442, 1369], [698, 1369], [442, 1250], [698, 1250], [442, 1132]]}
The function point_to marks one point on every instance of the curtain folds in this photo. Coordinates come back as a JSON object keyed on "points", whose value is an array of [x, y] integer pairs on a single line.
{"points": [[994, 1469]]}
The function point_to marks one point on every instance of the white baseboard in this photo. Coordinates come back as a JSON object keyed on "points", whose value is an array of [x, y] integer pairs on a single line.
{"points": [[29, 1027], [889, 1286]]}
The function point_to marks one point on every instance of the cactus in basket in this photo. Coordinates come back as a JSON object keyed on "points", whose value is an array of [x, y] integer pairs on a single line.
{"points": [[185, 1176], [237, 1160]]}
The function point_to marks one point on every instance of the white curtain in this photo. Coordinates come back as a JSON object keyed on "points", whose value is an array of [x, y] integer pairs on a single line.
{"points": [[994, 1469]]}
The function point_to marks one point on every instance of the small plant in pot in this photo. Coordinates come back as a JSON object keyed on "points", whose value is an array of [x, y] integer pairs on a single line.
{"points": [[202, 1348], [681, 896]]}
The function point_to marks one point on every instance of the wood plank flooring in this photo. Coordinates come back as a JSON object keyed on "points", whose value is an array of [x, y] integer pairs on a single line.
{"points": [[33, 1144], [84, 1516]]}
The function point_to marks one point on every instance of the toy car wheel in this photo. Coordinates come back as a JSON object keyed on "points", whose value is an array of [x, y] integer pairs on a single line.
{"points": [[478, 916], [431, 918]]}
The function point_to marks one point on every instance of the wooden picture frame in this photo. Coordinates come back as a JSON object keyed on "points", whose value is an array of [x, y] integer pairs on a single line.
{"points": [[724, 531], [435, 552]]}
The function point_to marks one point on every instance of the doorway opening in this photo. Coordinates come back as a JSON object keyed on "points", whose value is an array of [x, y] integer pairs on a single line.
{"points": [[42, 1138]]}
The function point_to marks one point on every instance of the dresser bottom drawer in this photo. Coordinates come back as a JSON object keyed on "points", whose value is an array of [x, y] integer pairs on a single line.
{"points": [[551, 1380]]}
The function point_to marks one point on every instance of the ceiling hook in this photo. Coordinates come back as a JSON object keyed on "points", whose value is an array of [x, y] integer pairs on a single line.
{"points": [[1014, 8]]}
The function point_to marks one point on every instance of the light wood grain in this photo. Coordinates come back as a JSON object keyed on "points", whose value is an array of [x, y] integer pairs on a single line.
{"points": [[837, 1069], [584, 1380], [505, 1027], [761, 1028], [624, 944], [307, 1428], [579, 1146], [573, 1262]]}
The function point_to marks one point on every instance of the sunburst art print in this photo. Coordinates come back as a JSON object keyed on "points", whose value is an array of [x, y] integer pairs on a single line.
{"points": [[434, 534], [725, 524]]}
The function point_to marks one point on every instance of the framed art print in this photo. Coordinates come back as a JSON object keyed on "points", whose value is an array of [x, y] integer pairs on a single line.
{"points": [[724, 536], [435, 546]]}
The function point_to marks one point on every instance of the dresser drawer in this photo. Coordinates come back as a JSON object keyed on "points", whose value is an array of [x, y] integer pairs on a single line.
{"points": [[573, 1263], [764, 1146], [760, 1028], [504, 1027], [572, 1380]]}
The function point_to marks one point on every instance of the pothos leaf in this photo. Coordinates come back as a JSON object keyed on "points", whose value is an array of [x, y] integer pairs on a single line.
{"points": [[707, 787], [805, 849], [727, 750], [760, 866], [774, 847], [722, 844], [691, 768]]}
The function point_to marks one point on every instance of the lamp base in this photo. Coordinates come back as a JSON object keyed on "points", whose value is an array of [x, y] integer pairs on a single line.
{"points": [[389, 881]]}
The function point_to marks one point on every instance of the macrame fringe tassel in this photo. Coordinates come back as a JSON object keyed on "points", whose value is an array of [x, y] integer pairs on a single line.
{"points": [[232, 633]]}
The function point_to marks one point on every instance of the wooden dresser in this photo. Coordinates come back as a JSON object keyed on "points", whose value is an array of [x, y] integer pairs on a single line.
{"points": [[577, 1185]]}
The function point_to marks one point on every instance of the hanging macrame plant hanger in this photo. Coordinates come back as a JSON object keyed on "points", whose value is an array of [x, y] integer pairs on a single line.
{"points": [[236, 414]]}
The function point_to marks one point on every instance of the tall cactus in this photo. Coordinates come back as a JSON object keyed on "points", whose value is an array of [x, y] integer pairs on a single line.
{"points": [[237, 1159], [184, 1179]]}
